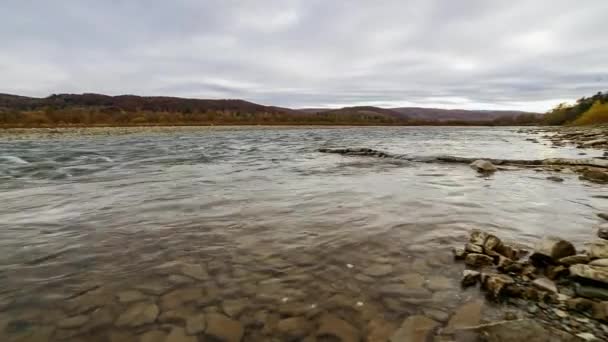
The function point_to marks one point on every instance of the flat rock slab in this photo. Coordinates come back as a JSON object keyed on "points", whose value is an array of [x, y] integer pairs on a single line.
{"points": [[137, 315], [179, 297], [414, 329], [521, 330], [378, 270], [333, 326], [223, 328], [596, 273], [468, 315]]}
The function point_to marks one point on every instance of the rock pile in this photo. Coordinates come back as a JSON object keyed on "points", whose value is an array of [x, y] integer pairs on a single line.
{"points": [[565, 286]]}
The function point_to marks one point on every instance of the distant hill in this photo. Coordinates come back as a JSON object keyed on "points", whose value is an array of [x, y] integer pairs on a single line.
{"points": [[98, 109]]}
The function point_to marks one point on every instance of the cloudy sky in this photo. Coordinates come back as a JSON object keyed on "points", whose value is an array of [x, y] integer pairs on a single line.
{"points": [[516, 54]]}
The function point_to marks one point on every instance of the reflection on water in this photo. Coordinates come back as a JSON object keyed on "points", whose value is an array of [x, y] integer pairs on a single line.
{"points": [[100, 231]]}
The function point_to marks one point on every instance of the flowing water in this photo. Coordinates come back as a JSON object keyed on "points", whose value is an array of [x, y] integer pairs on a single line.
{"points": [[262, 225]]}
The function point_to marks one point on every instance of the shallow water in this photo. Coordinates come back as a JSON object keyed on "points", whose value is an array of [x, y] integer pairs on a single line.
{"points": [[270, 221]]}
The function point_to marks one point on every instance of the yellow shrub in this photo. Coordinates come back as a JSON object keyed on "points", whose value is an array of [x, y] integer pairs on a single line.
{"points": [[597, 114]]}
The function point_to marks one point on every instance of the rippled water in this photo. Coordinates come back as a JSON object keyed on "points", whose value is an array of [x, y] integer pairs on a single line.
{"points": [[104, 209]]}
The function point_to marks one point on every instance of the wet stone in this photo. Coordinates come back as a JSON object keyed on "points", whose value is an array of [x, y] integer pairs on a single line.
{"points": [[596, 273], [478, 260], [575, 259], [73, 322], [223, 328], [468, 315], [437, 283], [153, 336], [404, 291], [178, 334], [179, 314], [196, 324], [472, 248], [130, 296], [378, 270], [179, 279], [594, 292], [599, 249], [137, 315], [470, 278], [179, 297], [333, 326], [599, 262], [414, 329], [195, 271], [551, 249], [294, 327], [545, 284], [234, 307]]}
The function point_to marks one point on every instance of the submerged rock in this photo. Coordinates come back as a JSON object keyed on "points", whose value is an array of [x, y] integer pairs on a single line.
{"points": [[414, 329], [483, 166], [469, 314], [459, 253], [520, 330], [294, 328], [555, 179], [223, 328], [333, 326], [137, 315], [551, 249], [593, 292], [595, 176]]}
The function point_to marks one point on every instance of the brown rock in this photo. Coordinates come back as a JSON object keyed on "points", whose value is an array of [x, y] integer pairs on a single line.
{"points": [[602, 231], [471, 248], [551, 249], [380, 330], [196, 324], [595, 176], [579, 304], [332, 326], [459, 253], [138, 314], [491, 244], [73, 322], [599, 262], [507, 251], [153, 336], [414, 329], [177, 298], [600, 311], [478, 260], [575, 259], [545, 284], [294, 327], [466, 316], [554, 272], [234, 307], [223, 328], [470, 278], [521, 330], [595, 273], [494, 283], [599, 249], [178, 334], [378, 270], [195, 271], [478, 237]]}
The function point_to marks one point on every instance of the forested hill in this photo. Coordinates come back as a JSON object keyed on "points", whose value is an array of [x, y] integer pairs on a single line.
{"points": [[97, 109], [586, 111]]}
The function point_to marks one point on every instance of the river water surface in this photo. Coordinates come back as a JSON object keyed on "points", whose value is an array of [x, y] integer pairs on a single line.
{"points": [[95, 221]]}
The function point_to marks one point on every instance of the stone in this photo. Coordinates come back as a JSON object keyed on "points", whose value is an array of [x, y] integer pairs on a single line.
{"points": [[379, 330], [179, 279], [153, 336], [414, 329], [545, 284], [507, 251], [478, 260], [551, 249], [575, 259], [589, 291], [594, 142], [438, 283], [177, 298], [478, 237], [494, 284], [195, 271], [554, 272], [470, 278], [234, 307], [587, 336], [596, 273], [520, 330], [600, 310], [138, 314], [555, 179], [579, 304], [412, 280], [560, 313], [459, 253], [131, 296], [178, 334], [196, 324], [177, 315], [598, 249], [404, 291], [595, 176], [378, 270], [73, 322], [223, 328], [483, 166], [294, 328], [332, 326], [599, 262], [602, 232], [603, 216], [153, 288], [467, 315], [472, 248], [491, 244]]}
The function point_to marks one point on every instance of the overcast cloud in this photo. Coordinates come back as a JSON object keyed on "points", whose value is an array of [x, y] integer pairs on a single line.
{"points": [[522, 54]]}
